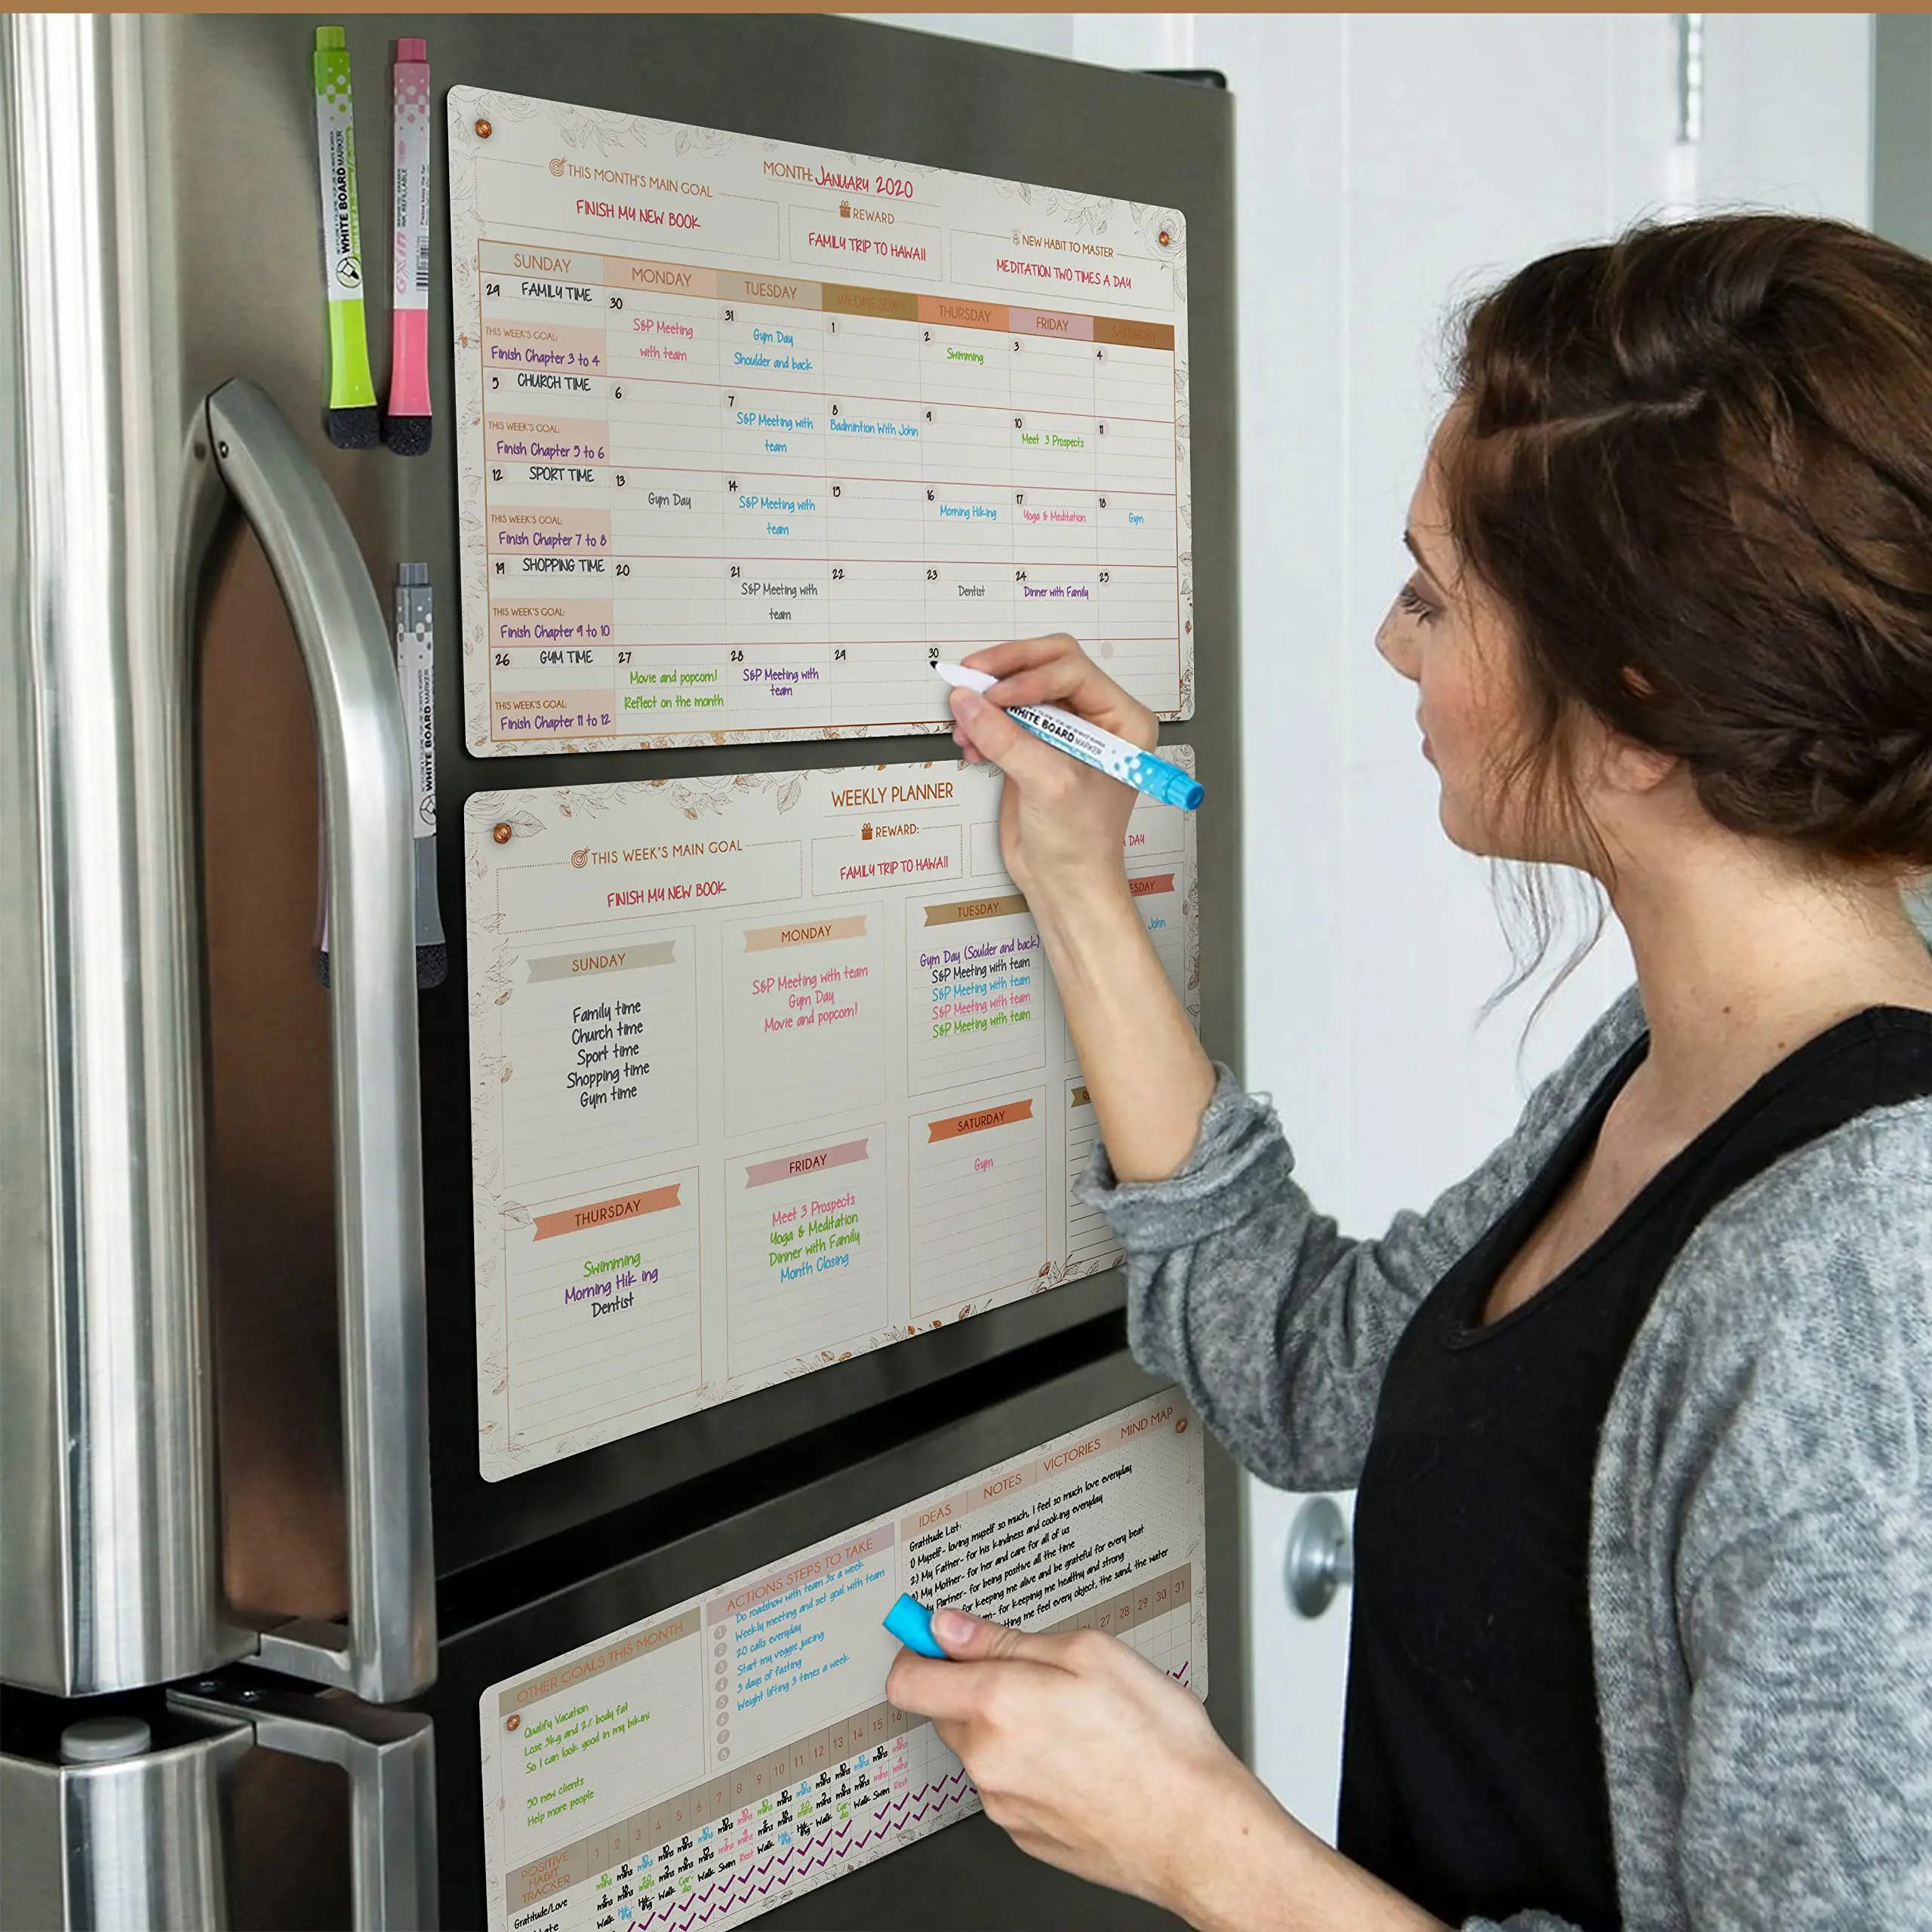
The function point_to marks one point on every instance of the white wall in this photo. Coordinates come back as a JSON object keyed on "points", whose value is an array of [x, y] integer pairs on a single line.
{"points": [[1387, 166], [1788, 113]]}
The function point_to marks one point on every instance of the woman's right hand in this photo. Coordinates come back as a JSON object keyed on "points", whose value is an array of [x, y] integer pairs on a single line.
{"points": [[1063, 825], [1063, 828]]}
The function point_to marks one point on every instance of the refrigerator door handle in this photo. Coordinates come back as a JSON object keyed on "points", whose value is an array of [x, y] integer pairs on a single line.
{"points": [[388, 1650], [390, 1756]]}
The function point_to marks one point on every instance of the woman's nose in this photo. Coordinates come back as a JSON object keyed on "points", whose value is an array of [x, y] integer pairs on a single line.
{"points": [[1397, 648]]}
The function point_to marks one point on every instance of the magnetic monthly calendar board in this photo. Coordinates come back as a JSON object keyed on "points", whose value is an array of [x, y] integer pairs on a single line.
{"points": [[714, 1759], [766, 1069], [749, 433]]}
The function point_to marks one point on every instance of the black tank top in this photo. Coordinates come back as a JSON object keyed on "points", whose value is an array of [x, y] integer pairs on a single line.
{"points": [[1473, 1774]]}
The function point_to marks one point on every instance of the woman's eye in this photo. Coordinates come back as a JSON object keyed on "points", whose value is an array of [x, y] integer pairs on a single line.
{"points": [[1412, 603]]}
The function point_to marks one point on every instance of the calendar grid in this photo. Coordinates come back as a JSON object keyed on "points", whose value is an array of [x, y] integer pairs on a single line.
{"points": [[710, 503], [1090, 558]]}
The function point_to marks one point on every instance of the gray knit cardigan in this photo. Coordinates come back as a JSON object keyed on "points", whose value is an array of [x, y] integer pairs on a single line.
{"points": [[1760, 1531]]}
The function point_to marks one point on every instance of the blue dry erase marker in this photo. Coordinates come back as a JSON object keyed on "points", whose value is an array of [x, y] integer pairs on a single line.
{"points": [[911, 1622], [1090, 744]]}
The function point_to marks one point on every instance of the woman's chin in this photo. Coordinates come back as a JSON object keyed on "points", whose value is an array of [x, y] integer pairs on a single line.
{"points": [[1467, 829]]}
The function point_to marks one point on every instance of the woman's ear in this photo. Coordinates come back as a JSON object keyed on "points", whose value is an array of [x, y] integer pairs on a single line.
{"points": [[1628, 765], [1634, 769]]}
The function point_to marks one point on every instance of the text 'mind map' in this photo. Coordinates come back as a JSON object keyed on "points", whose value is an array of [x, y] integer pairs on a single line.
{"points": [[766, 1070], [750, 434]]}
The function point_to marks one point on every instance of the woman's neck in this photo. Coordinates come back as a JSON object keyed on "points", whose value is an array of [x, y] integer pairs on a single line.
{"points": [[1743, 954]]}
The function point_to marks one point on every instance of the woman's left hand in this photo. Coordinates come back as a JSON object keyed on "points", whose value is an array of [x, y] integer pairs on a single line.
{"points": [[1090, 1757], [1096, 1761]]}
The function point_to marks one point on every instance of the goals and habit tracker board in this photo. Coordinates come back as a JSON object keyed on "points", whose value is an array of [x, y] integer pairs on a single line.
{"points": [[766, 1070], [723, 1755], [750, 434]]}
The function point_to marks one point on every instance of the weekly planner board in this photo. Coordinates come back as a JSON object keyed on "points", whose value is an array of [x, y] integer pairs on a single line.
{"points": [[720, 1757], [766, 1068], [748, 433]]}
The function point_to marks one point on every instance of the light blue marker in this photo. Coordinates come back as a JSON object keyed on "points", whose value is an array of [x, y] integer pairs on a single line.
{"points": [[911, 1622], [1091, 745]]}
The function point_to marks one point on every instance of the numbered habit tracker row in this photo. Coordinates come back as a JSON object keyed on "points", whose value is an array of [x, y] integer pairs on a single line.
{"points": [[707, 498], [766, 1070], [704, 1766]]}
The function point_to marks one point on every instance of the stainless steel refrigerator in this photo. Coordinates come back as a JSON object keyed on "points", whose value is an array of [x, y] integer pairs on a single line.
{"points": [[253, 1583]]}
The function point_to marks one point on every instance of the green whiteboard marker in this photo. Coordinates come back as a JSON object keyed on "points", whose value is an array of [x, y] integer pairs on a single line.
{"points": [[352, 418]]}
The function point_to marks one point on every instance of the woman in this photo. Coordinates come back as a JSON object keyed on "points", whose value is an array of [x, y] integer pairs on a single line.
{"points": [[1640, 1413]]}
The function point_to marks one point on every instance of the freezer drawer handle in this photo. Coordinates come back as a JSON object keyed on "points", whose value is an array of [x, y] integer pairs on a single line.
{"points": [[388, 1650], [390, 1756]]}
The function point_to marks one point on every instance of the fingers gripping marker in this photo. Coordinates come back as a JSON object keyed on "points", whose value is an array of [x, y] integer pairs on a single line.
{"points": [[1067, 731], [911, 1622]]}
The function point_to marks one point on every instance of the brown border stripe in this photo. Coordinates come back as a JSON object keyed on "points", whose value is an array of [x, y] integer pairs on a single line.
{"points": [[1133, 335], [963, 315], [657, 1637], [786, 291], [811, 1569], [793, 1167], [599, 1214], [631, 958], [661, 278], [803, 932], [960, 910], [978, 1121], [595, 268], [840, 299]]}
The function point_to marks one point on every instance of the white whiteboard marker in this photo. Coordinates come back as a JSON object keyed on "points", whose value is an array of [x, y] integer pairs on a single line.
{"points": [[1090, 744], [415, 665]]}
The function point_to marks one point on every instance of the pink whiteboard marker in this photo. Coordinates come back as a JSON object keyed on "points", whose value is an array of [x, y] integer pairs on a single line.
{"points": [[407, 428]]}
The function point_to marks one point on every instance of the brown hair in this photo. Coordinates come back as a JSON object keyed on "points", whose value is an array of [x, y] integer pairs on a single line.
{"points": [[1695, 465]]}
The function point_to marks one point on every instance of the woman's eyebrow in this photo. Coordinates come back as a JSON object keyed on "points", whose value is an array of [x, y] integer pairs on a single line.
{"points": [[1409, 543]]}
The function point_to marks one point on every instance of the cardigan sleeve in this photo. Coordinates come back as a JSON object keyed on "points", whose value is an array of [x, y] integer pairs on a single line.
{"points": [[1802, 1591], [1277, 1326]]}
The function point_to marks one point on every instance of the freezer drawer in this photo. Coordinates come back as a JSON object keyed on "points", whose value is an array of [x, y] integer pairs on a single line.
{"points": [[592, 1632]]}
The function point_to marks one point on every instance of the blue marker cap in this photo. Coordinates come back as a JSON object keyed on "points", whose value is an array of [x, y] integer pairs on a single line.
{"points": [[1167, 782], [911, 1622]]}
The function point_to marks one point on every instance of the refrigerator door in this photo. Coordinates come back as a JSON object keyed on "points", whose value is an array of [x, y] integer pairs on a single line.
{"points": [[109, 1497], [245, 226], [515, 1619], [124, 471]]}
